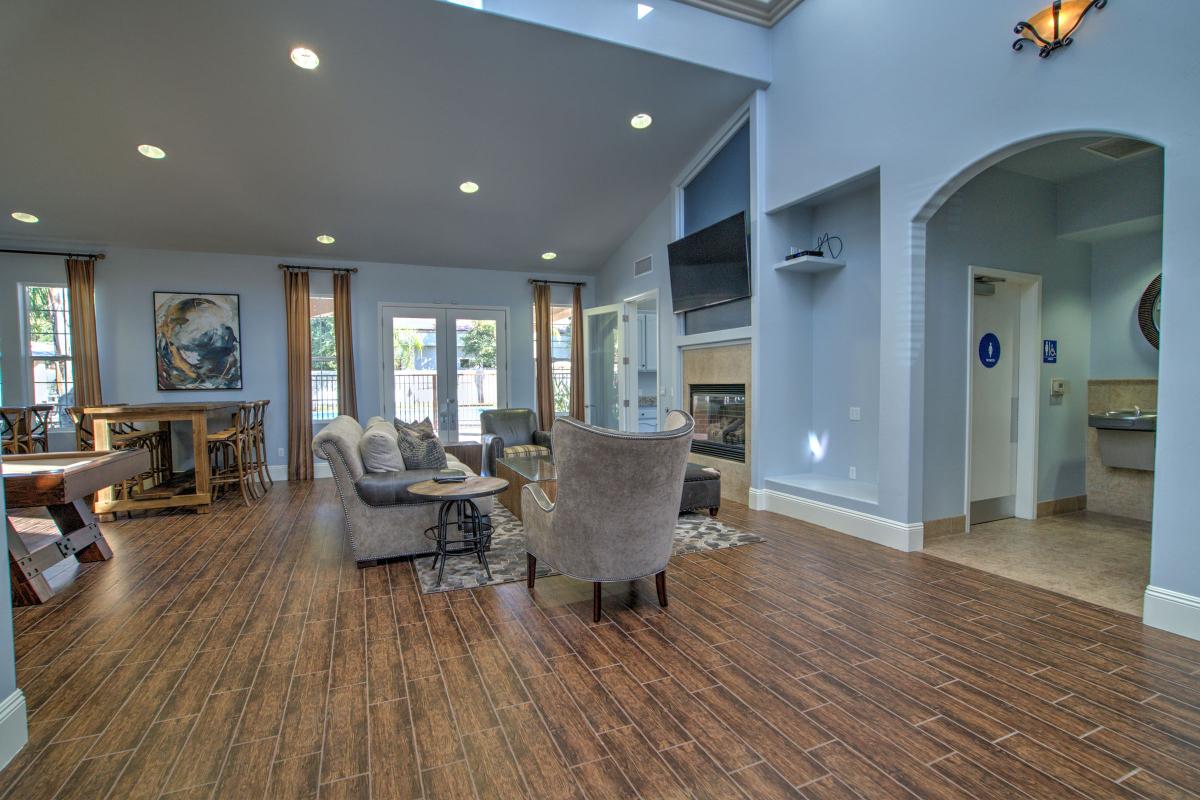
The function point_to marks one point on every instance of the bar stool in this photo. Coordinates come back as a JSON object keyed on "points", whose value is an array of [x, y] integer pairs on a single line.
{"points": [[85, 440], [14, 429], [229, 453], [260, 444], [38, 419]]}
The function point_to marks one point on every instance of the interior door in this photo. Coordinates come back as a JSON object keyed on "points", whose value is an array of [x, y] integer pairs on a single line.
{"points": [[604, 377], [994, 393], [436, 358]]}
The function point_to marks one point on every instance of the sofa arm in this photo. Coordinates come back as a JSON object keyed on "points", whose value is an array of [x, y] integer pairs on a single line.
{"points": [[542, 438], [493, 450]]}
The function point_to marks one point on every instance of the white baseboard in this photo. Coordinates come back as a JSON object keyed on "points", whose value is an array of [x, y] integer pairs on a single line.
{"points": [[1172, 611], [906, 536], [279, 472], [14, 729]]}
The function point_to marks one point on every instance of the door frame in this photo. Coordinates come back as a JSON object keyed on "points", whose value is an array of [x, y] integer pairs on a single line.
{"points": [[1029, 392], [631, 313], [503, 353]]}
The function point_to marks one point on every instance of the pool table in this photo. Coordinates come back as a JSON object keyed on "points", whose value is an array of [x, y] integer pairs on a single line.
{"points": [[62, 483]]}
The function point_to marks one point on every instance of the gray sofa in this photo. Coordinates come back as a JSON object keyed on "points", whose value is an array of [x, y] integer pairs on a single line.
{"points": [[383, 520], [511, 432]]}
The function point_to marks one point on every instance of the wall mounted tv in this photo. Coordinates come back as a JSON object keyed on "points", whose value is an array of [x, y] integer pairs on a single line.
{"points": [[710, 266]]}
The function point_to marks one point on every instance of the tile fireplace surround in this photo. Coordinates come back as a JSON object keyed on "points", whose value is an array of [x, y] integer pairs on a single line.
{"points": [[725, 364]]}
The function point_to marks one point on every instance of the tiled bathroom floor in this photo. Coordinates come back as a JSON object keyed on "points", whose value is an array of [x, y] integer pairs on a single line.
{"points": [[1095, 557]]}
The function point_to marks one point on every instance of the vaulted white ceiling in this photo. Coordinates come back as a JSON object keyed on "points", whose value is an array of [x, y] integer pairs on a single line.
{"points": [[760, 12], [411, 98]]}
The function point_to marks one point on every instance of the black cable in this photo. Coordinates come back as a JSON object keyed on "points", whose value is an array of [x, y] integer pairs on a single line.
{"points": [[826, 241]]}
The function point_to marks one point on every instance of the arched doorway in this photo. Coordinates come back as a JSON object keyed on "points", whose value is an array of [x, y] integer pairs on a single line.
{"points": [[1013, 373]]}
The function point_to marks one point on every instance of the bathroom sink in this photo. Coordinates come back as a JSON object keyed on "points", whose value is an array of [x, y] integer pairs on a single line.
{"points": [[1130, 419]]}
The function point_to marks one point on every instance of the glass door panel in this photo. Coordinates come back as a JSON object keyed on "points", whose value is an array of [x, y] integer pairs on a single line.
{"points": [[603, 375], [425, 377], [479, 368]]}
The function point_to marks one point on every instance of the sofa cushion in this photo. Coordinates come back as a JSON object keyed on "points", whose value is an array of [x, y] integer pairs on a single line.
{"points": [[514, 450], [379, 449], [391, 488]]}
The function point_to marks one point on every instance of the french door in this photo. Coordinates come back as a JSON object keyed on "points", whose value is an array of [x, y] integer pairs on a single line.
{"points": [[447, 363], [604, 360]]}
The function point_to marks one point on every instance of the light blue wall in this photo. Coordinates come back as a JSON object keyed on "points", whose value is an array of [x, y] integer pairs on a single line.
{"points": [[845, 348], [1121, 271], [722, 188], [1006, 221], [126, 279], [1129, 193]]}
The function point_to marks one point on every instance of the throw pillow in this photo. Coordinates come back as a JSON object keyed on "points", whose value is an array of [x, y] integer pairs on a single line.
{"points": [[379, 450], [422, 429], [420, 452]]}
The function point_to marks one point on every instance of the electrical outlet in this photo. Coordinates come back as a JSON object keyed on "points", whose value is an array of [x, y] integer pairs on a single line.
{"points": [[281, 452], [853, 473], [855, 414]]}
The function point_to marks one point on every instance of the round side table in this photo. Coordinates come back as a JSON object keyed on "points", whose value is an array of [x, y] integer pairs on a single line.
{"points": [[473, 533]]}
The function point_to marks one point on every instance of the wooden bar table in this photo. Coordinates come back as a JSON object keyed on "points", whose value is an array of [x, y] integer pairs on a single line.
{"points": [[198, 414]]}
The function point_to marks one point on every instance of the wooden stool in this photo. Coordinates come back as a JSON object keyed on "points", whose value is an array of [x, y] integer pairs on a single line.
{"points": [[229, 453], [14, 429]]}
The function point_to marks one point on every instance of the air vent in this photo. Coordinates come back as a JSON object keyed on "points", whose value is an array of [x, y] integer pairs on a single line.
{"points": [[1118, 147], [643, 266]]}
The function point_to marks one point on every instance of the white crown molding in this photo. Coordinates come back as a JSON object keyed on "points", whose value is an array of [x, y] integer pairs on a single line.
{"points": [[14, 729], [1172, 611], [758, 12], [905, 536]]}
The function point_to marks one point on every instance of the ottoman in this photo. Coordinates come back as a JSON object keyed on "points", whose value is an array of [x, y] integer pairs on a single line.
{"points": [[701, 489]]}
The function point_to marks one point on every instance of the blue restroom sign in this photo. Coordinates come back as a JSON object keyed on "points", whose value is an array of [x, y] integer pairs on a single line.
{"points": [[1050, 351], [989, 350]]}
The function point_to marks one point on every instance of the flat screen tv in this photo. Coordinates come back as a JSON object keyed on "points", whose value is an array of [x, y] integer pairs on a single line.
{"points": [[710, 266]]}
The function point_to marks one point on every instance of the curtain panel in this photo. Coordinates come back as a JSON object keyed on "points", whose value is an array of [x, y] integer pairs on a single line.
{"points": [[299, 375], [85, 354], [545, 378], [577, 354], [343, 339]]}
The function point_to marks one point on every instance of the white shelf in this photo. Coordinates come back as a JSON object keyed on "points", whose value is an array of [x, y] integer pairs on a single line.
{"points": [[809, 264]]}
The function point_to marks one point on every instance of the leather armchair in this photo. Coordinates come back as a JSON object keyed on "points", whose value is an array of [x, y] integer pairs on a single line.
{"points": [[614, 515], [510, 431]]}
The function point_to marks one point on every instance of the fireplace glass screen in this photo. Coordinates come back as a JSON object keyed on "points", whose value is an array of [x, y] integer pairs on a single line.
{"points": [[720, 412]]}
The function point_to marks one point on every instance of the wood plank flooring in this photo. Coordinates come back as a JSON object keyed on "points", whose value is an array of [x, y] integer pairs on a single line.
{"points": [[242, 655]]}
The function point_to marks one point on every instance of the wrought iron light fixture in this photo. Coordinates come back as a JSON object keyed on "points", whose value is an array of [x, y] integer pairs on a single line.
{"points": [[1051, 28]]}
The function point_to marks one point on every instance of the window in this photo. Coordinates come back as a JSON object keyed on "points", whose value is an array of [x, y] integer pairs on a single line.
{"points": [[48, 332], [561, 331], [324, 359]]}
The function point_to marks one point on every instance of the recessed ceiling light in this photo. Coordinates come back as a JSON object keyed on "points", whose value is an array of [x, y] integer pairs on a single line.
{"points": [[550, 256], [325, 238], [641, 121], [643, 10], [468, 187], [304, 58], [150, 151], [22, 216]]}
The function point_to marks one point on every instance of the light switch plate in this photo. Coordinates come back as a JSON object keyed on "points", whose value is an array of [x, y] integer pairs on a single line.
{"points": [[853, 473], [855, 414]]}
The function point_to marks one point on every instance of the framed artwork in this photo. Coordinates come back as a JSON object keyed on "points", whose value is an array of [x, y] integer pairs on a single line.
{"points": [[197, 341]]}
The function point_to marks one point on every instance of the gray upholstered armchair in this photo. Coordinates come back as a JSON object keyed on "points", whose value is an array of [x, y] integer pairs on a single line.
{"points": [[511, 432], [614, 515]]}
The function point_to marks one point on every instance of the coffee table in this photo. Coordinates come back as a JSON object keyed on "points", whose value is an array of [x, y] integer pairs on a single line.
{"points": [[474, 532], [521, 470]]}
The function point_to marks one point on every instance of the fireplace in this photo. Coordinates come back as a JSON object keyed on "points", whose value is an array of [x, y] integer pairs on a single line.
{"points": [[720, 412]]}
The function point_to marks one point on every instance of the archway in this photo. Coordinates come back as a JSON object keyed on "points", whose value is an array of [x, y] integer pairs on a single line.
{"points": [[1079, 213]]}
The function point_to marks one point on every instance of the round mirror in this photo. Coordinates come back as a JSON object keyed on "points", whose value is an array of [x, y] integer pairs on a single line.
{"points": [[1150, 311]]}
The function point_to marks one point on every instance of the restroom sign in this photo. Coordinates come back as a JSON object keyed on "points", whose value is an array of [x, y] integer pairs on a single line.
{"points": [[1050, 351], [989, 350]]}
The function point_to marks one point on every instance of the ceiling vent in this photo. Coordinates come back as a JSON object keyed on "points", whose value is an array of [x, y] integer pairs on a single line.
{"points": [[1118, 147], [643, 266]]}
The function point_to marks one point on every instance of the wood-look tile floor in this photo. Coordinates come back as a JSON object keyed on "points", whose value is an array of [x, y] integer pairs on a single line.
{"points": [[242, 655]]}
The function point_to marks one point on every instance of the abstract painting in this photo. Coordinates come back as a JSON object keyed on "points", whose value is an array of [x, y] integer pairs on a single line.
{"points": [[197, 341]]}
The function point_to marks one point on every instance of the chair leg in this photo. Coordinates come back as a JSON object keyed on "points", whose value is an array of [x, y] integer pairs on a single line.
{"points": [[530, 569], [596, 601], [660, 583]]}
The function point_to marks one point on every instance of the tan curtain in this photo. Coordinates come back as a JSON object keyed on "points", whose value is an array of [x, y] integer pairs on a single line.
{"points": [[541, 331], [85, 355], [343, 338], [577, 353], [299, 369]]}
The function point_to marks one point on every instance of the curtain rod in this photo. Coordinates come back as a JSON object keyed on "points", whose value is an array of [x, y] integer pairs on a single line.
{"points": [[97, 256], [319, 269], [559, 283]]}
